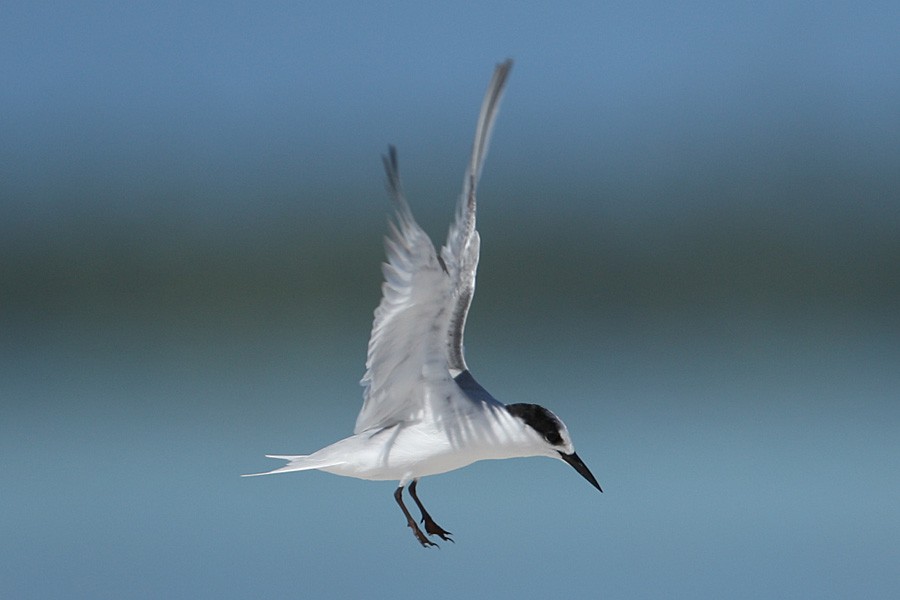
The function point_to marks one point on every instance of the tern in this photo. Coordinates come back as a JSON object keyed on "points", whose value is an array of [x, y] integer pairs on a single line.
{"points": [[423, 412]]}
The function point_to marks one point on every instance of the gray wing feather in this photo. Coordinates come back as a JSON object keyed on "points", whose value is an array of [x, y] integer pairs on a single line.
{"points": [[460, 252], [416, 340], [406, 350]]}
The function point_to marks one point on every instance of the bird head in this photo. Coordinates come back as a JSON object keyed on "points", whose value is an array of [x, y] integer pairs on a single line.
{"points": [[552, 435]]}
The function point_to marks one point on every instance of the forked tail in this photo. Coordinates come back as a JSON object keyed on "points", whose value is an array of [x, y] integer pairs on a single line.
{"points": [[301, 462]]}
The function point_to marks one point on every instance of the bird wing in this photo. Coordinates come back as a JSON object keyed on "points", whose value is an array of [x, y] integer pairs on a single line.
{"points": [[416, 340], [460, 252], [405, 349]]}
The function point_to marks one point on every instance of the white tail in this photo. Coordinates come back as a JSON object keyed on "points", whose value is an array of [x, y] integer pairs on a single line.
{"points": [[301, 462]]}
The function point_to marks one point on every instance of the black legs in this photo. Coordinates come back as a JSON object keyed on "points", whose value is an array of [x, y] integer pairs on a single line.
{"points": [[430, 526], [410, 521]]}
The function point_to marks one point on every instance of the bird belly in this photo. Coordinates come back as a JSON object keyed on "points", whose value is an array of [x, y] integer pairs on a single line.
{"points": [[404, 452]]}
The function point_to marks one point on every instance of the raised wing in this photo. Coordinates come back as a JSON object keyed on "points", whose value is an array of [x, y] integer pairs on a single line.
{"points": [[406, 349], [416, 341], [460, 252]]}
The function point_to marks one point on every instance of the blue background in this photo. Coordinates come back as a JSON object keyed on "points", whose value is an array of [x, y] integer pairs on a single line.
{"points": [[690, 253]]}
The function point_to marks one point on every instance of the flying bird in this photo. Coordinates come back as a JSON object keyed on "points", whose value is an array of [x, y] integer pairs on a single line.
{"points": [[423, 412]]}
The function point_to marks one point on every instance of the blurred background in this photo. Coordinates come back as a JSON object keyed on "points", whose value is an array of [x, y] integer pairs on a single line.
{"points": [[690, 252]]}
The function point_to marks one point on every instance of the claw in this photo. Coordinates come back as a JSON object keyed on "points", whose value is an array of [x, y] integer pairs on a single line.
{"points": [[433, 528], [426, 543], [430, 526], [411, 523]]}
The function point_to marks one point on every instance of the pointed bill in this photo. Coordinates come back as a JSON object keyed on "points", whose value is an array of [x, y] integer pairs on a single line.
{"points": [[582, 469]]}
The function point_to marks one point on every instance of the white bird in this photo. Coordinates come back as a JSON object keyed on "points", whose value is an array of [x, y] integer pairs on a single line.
{"points": [[423, 413]]}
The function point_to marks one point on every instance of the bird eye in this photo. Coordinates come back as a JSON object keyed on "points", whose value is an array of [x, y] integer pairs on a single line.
{"points": [[553, 437]]}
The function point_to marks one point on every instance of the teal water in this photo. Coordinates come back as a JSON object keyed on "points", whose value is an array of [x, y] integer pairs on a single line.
{"points": [[743, 453]]}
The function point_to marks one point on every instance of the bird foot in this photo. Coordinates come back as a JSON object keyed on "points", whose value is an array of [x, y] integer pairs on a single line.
{"points": [[426, 543], [434, 529]]}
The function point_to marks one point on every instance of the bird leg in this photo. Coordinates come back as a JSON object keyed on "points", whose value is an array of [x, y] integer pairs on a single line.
{"points": [[430, 526], [409, 520]]}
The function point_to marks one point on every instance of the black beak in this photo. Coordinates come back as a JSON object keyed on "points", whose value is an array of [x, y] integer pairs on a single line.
{"points": [[582, 469]]}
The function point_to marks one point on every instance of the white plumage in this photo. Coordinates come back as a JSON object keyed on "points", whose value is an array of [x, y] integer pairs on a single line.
{"points": [[423, 413]]}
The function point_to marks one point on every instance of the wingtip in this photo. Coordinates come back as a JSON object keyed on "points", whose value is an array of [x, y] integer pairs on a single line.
{"points": [[391, 156], [390, 163]]}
